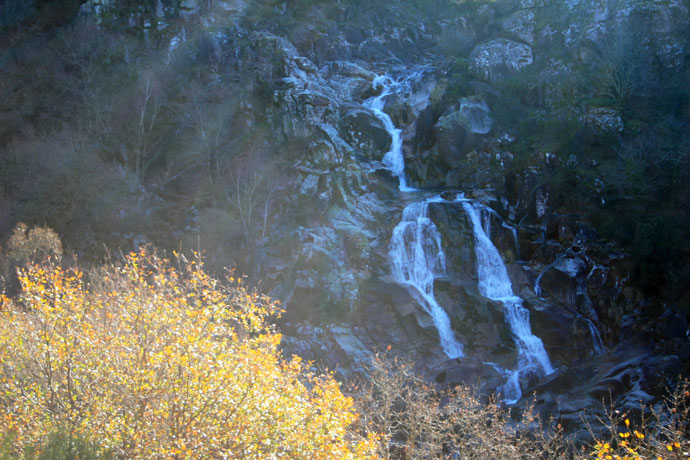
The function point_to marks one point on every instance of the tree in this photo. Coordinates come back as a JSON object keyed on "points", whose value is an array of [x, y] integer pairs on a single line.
{"points": [[152, 361]]}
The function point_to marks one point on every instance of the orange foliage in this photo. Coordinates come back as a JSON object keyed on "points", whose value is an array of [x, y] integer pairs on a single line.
{"points": [[157, 362]]}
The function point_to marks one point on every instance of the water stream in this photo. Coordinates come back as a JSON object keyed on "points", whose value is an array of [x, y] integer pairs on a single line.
{"points": [[415, 251], [495, 284], [393, 159], [597, 342], [417, 259]]}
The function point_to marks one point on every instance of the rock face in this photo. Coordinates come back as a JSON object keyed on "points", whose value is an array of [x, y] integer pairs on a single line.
{"points": [[497, 58], [656, 27], [454, 137], [476, 112]]}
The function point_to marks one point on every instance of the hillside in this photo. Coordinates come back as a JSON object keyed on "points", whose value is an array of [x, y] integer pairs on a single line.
{"points": [[496, 190]]}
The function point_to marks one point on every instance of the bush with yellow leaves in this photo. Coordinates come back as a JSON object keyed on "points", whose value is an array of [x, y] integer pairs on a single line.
{"points": [[660, 432], [155, 360]]}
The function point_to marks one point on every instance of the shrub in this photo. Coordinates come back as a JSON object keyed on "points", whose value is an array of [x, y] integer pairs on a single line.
{"points": [[153, 361], [28, 246], [57, 446], [660, 433], [32, 245], [418, 421]]}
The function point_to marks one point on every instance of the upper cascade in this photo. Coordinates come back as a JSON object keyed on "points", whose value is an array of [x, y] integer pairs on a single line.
{"points": [[393, 159]]}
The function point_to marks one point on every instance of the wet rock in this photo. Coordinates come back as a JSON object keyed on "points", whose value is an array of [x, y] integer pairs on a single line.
{"points": [[364, 131], [457, 237], [471, 372], [478, 322]]}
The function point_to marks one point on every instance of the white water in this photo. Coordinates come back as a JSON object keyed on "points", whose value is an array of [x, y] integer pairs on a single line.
{"points": [[597, 342], [513, 230], [417, 258], [495, 284], [537, 283], [393, 159], [415, 251]]}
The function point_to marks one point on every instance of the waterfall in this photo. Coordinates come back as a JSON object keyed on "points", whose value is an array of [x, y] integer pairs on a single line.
{"points": [[597, 342], [495, 285], [415, 251], [417, 259], [393, 159], [516, 243], [537, 282]]}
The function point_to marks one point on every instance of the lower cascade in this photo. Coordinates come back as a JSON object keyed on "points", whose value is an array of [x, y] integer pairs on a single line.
{"points": [[494, 284], [417, 258]]}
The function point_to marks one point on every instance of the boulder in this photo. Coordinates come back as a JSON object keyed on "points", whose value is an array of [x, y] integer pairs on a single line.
{"points": [[458, 36], [498, 58], [365, 132], [603, 120], [454, 138], [520, 26], [476, 112]]}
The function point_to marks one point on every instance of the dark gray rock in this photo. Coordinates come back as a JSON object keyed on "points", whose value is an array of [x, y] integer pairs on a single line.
{"points": [[365, 132]]}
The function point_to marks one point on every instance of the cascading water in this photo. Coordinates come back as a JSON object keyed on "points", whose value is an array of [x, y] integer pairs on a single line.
{"points": [[513, 230], [415, 250], [537, 283], [393, 159], [495, 285], [597, 342], [417, 258]]}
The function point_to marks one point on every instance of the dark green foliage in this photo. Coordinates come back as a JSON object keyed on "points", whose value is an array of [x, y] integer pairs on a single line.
{"points": [[654, 248], [45, 14]]}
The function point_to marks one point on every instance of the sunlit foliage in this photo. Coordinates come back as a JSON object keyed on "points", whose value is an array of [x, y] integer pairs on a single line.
{"points": [[155, 360]]}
